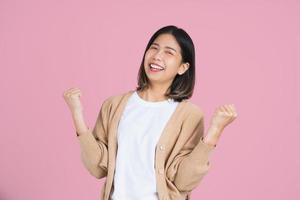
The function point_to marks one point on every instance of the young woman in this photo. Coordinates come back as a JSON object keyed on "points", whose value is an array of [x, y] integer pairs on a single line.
{"points": [[149, 142]]}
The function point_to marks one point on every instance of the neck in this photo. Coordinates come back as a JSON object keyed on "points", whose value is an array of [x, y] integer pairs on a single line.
{"points": [[153, 93]]}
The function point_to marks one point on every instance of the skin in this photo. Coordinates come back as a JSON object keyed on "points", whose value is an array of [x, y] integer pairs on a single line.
{"points": [[171, 60]]}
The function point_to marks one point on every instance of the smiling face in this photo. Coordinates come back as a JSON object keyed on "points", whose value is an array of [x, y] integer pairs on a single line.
{"points": [[165, 54]]}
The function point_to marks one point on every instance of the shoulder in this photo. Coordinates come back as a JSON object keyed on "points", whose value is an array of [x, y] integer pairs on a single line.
{"points": [[192, 110], [115, 99]]}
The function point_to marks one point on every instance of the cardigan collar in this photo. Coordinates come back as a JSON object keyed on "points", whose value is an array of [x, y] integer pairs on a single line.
{"points": [[119, 111]]}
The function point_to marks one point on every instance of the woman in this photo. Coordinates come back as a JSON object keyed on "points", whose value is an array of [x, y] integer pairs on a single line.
{"points": [[149, 142]]}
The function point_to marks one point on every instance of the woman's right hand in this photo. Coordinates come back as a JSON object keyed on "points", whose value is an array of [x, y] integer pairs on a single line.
{"points": [[72, 98]]}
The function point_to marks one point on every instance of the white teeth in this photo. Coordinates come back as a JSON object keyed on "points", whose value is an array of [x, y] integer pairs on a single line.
{"points": [[156, 67]]}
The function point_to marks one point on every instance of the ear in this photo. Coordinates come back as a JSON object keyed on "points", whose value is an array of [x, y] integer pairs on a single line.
{"points": [[183, 67]]}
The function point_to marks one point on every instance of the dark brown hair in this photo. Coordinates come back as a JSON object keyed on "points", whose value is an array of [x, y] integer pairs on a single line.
{"points": [[182, 86]]}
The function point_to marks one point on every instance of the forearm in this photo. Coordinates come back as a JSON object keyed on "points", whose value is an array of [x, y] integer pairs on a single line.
{"points": [[79, 122], [93, 142], [93, 152], [213, 135]]}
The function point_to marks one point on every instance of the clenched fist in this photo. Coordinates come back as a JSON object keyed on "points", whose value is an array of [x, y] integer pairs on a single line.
{"points": [[223, 116], [72, 98]]}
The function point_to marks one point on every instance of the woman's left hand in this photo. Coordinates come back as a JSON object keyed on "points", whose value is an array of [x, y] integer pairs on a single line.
{"points": [[223, 116]]}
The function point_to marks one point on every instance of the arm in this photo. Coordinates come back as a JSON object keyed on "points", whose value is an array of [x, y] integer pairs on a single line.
{"points": [[93, 145], [192, 162]]}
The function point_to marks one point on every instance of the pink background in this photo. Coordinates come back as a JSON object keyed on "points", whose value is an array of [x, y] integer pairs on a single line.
{"points": [[247, 53]]}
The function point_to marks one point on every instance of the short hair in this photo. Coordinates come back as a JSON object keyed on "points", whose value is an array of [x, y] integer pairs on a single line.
{"points": [[182, 86]]}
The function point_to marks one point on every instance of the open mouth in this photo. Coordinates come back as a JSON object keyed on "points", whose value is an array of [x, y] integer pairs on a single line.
{"points": [[155, 68]]}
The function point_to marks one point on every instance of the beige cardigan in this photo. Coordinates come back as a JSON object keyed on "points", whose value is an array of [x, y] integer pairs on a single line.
{"points": [[181, 156]]}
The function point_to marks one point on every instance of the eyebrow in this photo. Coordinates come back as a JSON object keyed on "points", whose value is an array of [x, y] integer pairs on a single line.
{"points": [[166, 46]]}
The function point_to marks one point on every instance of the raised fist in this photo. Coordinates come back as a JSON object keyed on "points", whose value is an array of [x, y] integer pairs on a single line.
{"points": [[223, 116], [72, 98]]}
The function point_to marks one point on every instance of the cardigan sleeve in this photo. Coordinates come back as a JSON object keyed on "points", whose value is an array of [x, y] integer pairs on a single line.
{"points": [[93, 145], [192, 162]]}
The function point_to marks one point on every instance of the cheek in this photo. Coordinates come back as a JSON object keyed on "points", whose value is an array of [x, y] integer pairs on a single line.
{"points": [[173, 63], [173, 66], [148, 52], [146, 59], [146, 56]]}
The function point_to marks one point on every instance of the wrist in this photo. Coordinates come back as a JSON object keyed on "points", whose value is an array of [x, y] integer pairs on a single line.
{"points": [[215, 130], [213, 135], [77, 112]]}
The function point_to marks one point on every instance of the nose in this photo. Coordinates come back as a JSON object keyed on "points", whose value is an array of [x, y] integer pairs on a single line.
{"points": [[158, 55]]}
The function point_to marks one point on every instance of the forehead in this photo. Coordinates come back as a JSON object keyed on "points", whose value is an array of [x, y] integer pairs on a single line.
{"points": [[167, 40]]}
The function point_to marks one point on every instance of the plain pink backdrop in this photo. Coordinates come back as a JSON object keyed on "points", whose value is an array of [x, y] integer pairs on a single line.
{"points": [[247, 53]]}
